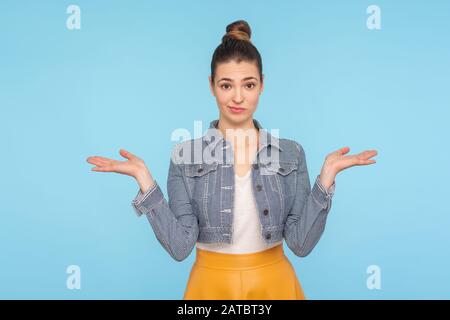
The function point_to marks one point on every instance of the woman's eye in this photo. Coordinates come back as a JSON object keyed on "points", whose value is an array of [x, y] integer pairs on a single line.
{"points": [[248, 85]]}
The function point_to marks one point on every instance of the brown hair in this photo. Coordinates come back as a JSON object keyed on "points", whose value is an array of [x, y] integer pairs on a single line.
{"points": [[236, 45]]}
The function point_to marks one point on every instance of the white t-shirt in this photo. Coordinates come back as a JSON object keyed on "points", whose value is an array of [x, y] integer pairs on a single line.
{"points": [[247, 236]]}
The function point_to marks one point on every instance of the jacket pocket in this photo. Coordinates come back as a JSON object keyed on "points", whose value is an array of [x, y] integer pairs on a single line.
{"points": [[201, 178], [283, 178]]}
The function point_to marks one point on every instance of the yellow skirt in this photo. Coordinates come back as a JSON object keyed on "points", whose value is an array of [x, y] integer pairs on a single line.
{"points": [[265, 275]]}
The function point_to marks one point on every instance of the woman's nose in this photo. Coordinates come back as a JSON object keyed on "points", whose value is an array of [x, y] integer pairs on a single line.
{"points": [[238, 98]]}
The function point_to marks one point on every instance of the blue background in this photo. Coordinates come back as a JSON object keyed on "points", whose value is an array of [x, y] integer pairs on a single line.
{"points": [[136, 71]]}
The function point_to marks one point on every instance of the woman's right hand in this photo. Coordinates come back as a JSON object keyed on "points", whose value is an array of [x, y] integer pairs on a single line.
{"points": [[134, 167]]}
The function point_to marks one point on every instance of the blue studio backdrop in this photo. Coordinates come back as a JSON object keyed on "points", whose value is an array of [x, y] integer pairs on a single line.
{"points": [[127, 74]]}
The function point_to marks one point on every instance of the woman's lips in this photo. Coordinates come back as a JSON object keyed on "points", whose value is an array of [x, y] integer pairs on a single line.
{"points": [[236, 110]]}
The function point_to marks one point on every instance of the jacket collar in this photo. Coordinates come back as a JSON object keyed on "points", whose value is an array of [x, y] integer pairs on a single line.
{"points": [[265, 138]]}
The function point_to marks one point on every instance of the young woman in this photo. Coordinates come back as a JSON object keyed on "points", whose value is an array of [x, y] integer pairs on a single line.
{"points": [[250, 190]]}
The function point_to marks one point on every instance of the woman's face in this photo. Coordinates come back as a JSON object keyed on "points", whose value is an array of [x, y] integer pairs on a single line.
{"points": [[237, 85]]}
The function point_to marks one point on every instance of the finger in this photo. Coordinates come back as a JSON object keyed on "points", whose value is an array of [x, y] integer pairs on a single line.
{"points": [[368, 154], [363, 162], [343, 150], [124, 153], [354, 161], [101, 169], [106, 160], [99, 162]]}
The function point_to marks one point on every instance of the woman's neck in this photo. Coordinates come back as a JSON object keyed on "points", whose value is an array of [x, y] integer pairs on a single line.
{"points": [[240, 135]]}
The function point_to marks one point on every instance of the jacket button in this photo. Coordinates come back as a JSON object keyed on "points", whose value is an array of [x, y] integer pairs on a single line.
{"points": [[256, 166], [200, 170], [281, 169], [268, 236], [258, 187], [266, 211]]}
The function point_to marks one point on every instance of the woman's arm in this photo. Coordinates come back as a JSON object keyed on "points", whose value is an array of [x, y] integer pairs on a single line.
{"points": [[174, 224], [306, 220]]}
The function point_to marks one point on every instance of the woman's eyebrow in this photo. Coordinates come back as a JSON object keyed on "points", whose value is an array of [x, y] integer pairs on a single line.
{"points": [[245, 79]]}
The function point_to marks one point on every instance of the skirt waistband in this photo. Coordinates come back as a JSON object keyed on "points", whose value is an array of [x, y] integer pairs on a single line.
{"points": [[233, 261]]}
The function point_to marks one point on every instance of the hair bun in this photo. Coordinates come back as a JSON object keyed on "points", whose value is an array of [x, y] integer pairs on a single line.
{"points": [[238, 30]]}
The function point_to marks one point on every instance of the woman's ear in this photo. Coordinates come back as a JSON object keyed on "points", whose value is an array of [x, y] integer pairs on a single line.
{"points": [[262, 84], [211, 86]]}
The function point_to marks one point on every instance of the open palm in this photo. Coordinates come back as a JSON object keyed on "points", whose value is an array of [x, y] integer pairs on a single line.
{"points": [[339, 161], [129, 167]]}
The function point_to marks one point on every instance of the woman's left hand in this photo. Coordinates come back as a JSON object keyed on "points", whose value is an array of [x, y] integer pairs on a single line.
{"points": [[336, 161]]}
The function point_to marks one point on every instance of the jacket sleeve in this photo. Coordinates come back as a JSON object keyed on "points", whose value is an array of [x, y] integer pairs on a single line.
{"points": [[305, 222], [174, 223]]}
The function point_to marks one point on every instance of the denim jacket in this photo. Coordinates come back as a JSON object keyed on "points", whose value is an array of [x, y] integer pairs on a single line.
{"points": [[201, 195]]}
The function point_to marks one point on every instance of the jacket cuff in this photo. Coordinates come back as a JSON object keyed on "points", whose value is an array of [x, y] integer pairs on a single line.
{"points": [[331, 189], [321, 195], [145, 202]]}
